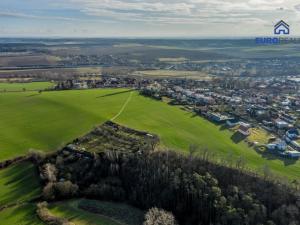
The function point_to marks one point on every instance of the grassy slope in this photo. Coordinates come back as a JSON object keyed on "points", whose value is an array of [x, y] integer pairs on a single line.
{"points": [[22, 215], [70, 210], [35, 86], [48, 120], [18, 183]]}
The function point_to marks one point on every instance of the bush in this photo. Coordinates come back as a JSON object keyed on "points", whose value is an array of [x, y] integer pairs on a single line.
{"points": [[66, 189], [49, 192], [157, 216]]}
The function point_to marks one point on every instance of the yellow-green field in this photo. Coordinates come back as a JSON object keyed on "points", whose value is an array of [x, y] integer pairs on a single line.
{"points": [[173, 60], [33, 86], [174, 73], [61, 72]]}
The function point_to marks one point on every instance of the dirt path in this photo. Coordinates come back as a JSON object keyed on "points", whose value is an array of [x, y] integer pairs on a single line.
{"points": [[123, 107]]}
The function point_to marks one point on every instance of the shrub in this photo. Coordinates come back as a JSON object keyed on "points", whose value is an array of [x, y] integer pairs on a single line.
{"points": [[157, 216]]}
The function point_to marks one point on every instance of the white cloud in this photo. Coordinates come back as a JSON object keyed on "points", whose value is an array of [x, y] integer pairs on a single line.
{"points": [[189, 11], [14, 14], [167, 17]]}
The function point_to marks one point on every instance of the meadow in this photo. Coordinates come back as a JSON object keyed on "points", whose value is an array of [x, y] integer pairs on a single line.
{"points": [[111, 213], [19, 184], [174, 73], [49, 120], [70, 211], [51, 73], [20, 215], [34, 86]]}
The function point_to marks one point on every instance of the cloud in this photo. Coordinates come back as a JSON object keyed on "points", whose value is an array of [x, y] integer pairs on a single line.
{"points": [[187, 11], [181, 17], [297, 7], [10, 14]]}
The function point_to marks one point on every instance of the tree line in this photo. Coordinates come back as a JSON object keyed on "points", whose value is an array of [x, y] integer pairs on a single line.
{"points": [[193, 189]]}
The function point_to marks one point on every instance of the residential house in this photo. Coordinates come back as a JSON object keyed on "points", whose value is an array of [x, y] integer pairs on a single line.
{"points": [[244, 129], [232, 122], [279, 145], [281, 124]]}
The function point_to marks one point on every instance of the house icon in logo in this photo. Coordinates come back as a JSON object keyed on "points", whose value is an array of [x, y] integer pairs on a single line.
{"points": [[281, 28]]}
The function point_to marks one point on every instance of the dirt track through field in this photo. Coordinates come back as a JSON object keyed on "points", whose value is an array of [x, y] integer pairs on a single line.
{"points": [[123, 107]]}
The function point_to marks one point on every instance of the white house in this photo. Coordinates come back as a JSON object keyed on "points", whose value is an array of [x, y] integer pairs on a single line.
{"points": [[281, 124], [293, 154]]}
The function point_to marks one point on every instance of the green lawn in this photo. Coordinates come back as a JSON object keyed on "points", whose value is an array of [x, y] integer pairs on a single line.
{"points": [[34, 86], [70, 211], [18, 183], [47, 121]]}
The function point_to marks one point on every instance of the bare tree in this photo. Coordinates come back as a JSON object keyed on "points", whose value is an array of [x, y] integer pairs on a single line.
{"points": [[157, 216]]}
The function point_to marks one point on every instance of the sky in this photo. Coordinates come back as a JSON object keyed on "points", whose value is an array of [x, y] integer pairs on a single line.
{"points": [[146, 18]]}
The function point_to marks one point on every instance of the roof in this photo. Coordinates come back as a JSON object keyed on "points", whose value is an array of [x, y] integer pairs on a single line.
{"points": [[296, 143], [278, 121], [243, 128], [293, 131]]}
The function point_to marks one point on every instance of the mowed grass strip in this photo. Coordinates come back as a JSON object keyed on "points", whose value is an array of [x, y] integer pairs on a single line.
{"points": [[49, 120], [33, 86]]}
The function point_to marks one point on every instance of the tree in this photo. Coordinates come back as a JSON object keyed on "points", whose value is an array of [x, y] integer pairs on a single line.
{"points": [[49, 192], [49, 172], [66, 189], [157, 216]]}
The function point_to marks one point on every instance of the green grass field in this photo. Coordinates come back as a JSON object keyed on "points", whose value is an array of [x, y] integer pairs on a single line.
{"points": [[18, 184], [70, 211], [20, 215], [49, 120], [35, 86]]}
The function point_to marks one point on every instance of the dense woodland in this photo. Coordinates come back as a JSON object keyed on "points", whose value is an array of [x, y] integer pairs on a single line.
{"points": [[194, 190]]}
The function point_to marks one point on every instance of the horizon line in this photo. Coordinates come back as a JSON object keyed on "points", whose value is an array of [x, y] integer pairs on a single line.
{"points": [[149, 37]]}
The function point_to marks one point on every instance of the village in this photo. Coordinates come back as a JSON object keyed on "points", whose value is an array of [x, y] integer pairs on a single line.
{"points": [[271, 105]]}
